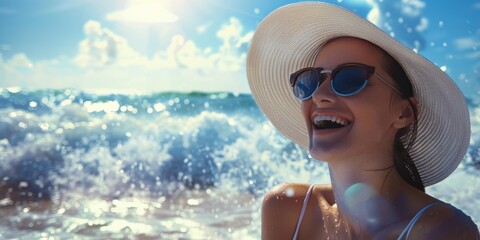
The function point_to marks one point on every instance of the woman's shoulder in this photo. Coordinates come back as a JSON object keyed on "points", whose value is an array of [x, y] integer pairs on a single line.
{"points": [[444, 221], [282, 206], [291, 193], [285, 194]]}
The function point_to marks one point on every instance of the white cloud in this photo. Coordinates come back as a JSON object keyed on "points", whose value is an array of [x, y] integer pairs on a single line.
{"points": [[106, 61], [400, 19], [231, 34], [467, 43], [5, 47], [423, 25], [374, 15], [244, 40], [14, 68], [203, 28], [476, 5], [103, 47], [144, 12], [473, 55], [18, 61], [230, 57], [412, 8], [185, 54]]}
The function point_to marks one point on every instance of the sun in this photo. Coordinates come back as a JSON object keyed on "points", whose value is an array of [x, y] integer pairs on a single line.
{"points": [[146, 11]]}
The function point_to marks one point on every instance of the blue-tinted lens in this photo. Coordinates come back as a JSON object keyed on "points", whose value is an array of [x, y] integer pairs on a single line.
{"points": [[349, 81], [306, 84]]}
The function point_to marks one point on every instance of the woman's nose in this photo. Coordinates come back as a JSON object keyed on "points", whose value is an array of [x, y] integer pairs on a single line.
{"points": [[324, 93]]}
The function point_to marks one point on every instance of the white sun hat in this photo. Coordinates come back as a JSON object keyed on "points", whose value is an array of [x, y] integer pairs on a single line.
{"points": [[289, 39]]}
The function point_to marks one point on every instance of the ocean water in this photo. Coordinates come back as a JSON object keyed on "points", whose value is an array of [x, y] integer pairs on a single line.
{"points": [[85, 165]]}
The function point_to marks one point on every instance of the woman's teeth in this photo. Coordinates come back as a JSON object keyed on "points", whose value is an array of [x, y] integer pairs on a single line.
{"points": [[325, 121]]}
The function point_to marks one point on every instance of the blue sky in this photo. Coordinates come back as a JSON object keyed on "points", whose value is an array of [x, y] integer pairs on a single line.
{"points": [[184, 45]]}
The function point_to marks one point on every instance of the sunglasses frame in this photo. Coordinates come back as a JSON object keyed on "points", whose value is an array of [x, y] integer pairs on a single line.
{"points": [[370, 70]]}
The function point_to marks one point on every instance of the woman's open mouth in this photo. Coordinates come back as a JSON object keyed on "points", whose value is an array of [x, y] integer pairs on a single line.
{"points": [[323, 122]]}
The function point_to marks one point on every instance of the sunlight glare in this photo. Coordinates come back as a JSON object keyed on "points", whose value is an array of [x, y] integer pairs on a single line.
{"points": [[147, 11]]}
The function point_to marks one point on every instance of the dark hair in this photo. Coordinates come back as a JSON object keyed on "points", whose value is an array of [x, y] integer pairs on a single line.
{"points": [[405, 137]]}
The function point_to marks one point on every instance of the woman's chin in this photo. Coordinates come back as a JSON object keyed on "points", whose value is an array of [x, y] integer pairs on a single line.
{"points": [[326, 150], [321, 155], [332, 152]]}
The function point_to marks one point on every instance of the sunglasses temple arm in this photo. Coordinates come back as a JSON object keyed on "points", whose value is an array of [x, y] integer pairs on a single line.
{"points": [[388, 84]]}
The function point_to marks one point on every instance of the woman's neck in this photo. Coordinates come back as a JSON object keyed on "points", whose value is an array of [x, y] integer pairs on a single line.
{"points": [[369, 198]]}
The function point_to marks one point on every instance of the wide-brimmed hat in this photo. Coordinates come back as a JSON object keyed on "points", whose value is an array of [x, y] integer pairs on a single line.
{"points": [[289, 39]]}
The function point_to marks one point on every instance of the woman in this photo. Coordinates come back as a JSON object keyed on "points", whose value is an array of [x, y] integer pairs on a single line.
{"points": [[387, 122]]}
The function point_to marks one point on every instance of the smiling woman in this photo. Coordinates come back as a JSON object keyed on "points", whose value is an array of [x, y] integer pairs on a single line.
{"points": [[134, 119], [375, 111]]}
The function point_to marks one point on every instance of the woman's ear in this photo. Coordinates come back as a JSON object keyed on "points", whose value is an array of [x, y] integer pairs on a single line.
{"points": [[407, 114]]}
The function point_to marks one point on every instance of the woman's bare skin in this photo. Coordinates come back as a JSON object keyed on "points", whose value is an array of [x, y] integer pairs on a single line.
{"points": [[367, 199]]}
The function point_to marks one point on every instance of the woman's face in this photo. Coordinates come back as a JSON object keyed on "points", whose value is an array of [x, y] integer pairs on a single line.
{"points": [[371, 116]]}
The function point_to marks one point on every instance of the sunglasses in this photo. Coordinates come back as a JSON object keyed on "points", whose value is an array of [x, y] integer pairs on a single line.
{"points": [[346, 80]]}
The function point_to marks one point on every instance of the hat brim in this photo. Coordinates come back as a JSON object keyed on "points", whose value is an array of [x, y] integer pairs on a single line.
{"points": [[290, 38]]}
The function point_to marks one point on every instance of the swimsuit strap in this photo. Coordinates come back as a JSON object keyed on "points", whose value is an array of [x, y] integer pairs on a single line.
{"points": [[304, 208], [412, 222]]}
